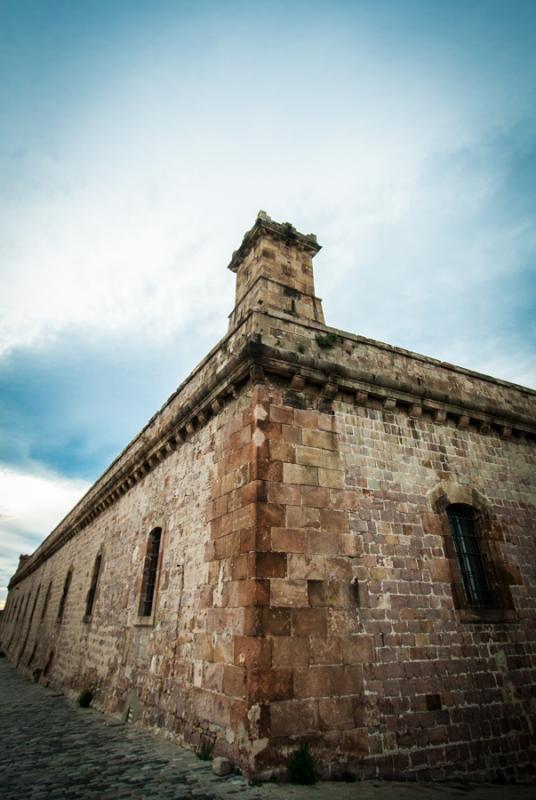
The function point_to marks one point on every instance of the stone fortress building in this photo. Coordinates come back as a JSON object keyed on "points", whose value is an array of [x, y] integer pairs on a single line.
{"points": [[319, 538]]}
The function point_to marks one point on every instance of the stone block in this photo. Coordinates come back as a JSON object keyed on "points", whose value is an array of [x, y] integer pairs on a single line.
{"points": [[288, 592], [289, 540], [307, 621], [221, 766], [336, 713], [271, 565], [321, 439], [314, 681], [252, 651], [295, 473], [302, 517], [334, 521], [268, 685], [358, 649], [331, 478], [314, 457], [294, 717], [290, 651], [274, 621], [314, 497], [284, 493], [234, 681]]}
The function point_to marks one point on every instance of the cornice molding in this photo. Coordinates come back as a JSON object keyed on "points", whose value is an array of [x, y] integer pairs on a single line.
{"points": [[254, 362]]}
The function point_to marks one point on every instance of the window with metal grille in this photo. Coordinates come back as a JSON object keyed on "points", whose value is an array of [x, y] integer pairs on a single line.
{"points": [[93, 586], [66, 585], [466, 538], [150, 573]]}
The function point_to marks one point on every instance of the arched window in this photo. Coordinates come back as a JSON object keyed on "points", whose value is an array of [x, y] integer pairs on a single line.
{"points": [[64, 594], [150, 570], [90, 600], [466, 537]]}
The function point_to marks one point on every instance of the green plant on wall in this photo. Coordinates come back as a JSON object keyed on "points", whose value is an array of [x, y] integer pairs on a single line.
{"points": [[205, 750], [301, 767], [326, 341], [85, 698]]}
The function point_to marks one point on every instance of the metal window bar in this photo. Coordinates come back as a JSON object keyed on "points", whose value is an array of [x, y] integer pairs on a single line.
{"points": [[93, 587], [149, 573], [470, 558]]}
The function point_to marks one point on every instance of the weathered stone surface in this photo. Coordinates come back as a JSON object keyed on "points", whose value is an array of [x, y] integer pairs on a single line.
{"points": [[221, 766], [307, 580]]}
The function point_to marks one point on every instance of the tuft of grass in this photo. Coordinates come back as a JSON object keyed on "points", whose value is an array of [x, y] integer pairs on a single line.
{"points": [[301, 767], [326, 341], [85, 698], [301, 348], [205, 750]]}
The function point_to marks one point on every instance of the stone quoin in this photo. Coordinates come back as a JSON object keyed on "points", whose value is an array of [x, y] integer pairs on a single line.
{"points": [[319, 538]]}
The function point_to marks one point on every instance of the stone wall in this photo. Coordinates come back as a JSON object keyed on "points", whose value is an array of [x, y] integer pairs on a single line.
{"points": [[371, 660], [175, 670], [308, 588]]}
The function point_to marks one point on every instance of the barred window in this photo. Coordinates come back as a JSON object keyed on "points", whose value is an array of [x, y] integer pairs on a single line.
{"points": [[90, 600], [466, 537], [150, 570], [64, 594]]}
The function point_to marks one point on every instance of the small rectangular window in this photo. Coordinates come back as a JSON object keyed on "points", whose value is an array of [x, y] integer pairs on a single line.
{"points": [[93, 586], [64, 594], [150, 570], [47, 598]]}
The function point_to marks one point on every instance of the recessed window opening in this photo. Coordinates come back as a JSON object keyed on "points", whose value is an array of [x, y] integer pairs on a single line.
{"points": [[32, 655], [48, 665], [64, 594], [36, 598], [93, 587], [150, 573], [466, 538], [47, 598], [25, 608]]}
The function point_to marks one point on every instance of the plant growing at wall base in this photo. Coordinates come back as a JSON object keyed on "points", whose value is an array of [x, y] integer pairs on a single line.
{"points": [[301, 767], [326, 341], [205, 750], [85, 698]]}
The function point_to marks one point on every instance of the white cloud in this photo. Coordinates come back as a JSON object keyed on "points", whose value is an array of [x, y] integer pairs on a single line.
{"points": [[31, 505]]}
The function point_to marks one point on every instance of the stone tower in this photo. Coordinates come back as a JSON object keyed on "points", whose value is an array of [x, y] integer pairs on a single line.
{"points": [[274, 272]]}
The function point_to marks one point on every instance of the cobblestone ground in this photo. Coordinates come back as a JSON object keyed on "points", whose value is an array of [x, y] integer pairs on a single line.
{"points": [[52, 748]]}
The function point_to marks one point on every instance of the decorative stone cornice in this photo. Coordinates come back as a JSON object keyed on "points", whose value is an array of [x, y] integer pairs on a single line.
{"points": [[253, 363], [335, 380]]}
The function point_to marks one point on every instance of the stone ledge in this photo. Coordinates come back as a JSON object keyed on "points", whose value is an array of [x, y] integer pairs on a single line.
{"points": [[252, 361]]}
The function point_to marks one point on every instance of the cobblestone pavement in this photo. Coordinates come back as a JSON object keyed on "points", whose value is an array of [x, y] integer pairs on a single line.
{"points": [[51, 748]]}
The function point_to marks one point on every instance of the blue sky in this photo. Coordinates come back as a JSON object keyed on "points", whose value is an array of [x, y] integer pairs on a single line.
{"points": [[138, 140]]}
